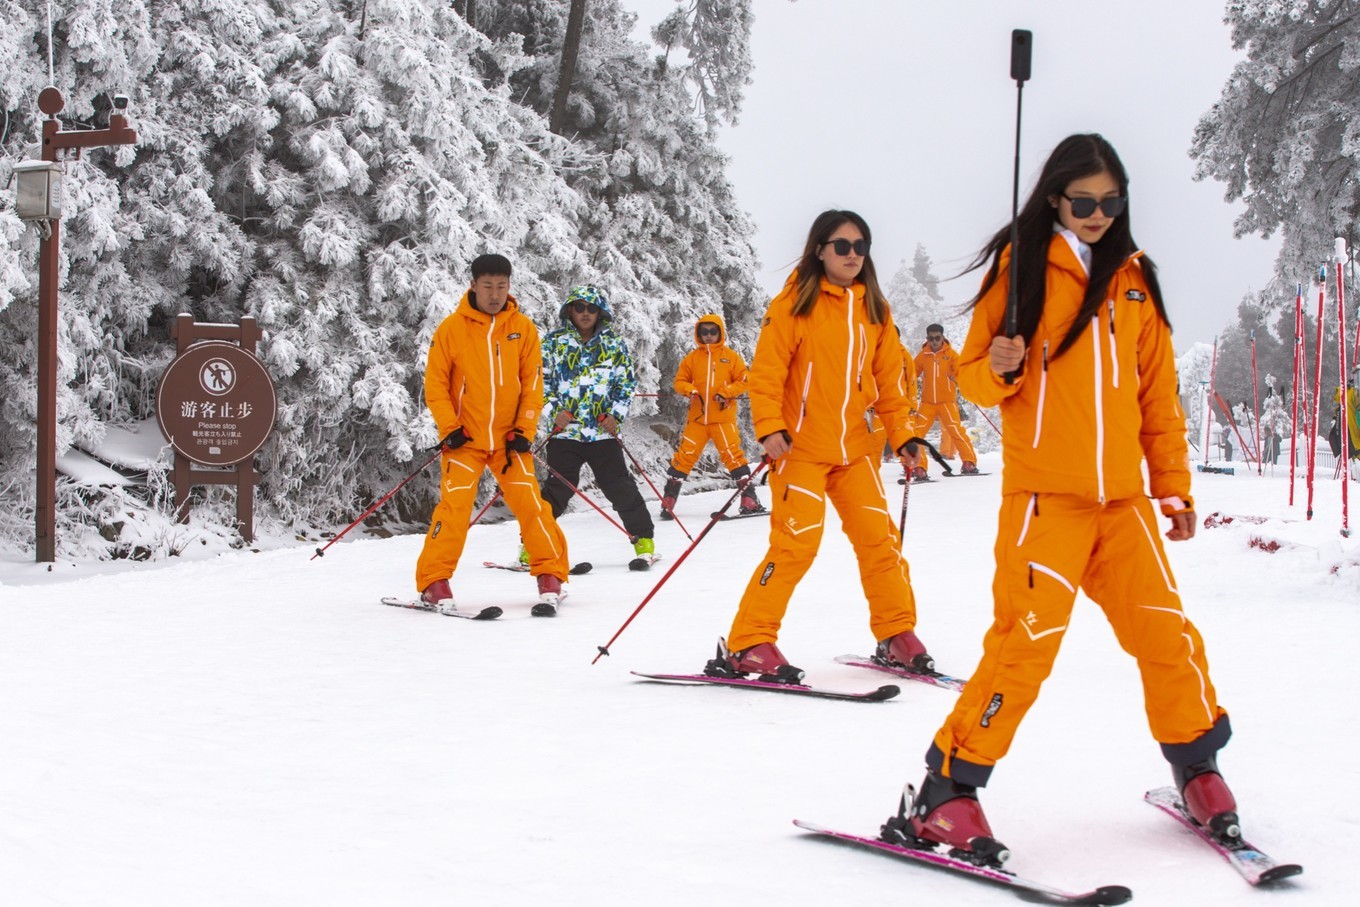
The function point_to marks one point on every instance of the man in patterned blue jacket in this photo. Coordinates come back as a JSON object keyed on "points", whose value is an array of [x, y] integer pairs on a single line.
{"points": [[588, 383]]}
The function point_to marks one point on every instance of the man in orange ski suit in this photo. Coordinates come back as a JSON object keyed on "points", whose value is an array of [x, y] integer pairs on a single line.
{"points": [[1075, 515], [936, 364], [484, 388]]}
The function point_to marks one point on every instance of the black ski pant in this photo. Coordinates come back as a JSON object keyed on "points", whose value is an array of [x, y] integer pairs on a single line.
{"points": [[605, 459]]}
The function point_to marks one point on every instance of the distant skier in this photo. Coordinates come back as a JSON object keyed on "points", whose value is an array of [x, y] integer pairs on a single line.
{"points": [[827, 352], [1095, 399], [484, 388], [713, 376], [936, 364]]}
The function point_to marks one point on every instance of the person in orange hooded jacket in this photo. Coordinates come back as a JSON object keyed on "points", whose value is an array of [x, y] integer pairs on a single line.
{"points": [[877, 430], [827, 353], [1095, 397], [936, 364], [484, 388], [712, 376]]}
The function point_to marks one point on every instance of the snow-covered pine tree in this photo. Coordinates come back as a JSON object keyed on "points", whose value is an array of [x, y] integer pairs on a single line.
{"points": [[1282, 136]]}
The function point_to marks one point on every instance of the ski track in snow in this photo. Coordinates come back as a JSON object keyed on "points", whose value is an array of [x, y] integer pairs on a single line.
{"points": [[255, 728]]}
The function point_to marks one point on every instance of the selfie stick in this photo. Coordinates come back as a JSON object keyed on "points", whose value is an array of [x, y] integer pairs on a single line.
{"points": [[1022, 41]]}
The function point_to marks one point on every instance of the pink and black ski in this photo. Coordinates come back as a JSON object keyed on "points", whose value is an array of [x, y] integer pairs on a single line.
{"points": [[796, 689], [1109, 894], [1255, 866], [934, 678]]}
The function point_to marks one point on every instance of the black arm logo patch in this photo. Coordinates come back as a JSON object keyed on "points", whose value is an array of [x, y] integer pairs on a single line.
{"points": [[992, 708], [1136, 295]]}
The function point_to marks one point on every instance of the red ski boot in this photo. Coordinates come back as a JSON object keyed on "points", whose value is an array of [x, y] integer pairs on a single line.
{"points": [[763, 659], [1208, 799], [904, 651], [946, 813]]}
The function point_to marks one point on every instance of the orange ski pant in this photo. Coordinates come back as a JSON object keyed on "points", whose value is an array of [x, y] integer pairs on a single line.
{"points": [[1048, 546], [951, 427], [725, 437], [799, 491], [460, 471]]}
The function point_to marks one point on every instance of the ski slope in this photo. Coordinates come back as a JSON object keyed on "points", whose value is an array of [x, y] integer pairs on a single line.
{"points": [[254, 728]]}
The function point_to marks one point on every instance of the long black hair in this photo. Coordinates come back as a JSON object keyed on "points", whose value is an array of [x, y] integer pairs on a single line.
{"points": [[811, 271], [1076, 156]]}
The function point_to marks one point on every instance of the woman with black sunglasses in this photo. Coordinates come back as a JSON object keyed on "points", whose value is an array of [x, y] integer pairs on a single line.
{"points": [[1088, 393], [827, 352]]}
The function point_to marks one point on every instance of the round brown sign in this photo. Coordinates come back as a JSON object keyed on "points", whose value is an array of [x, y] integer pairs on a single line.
{"points": [[216, 404]]}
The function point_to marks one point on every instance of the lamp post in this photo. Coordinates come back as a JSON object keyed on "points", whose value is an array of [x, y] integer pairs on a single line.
{"points": [[54, 142]]}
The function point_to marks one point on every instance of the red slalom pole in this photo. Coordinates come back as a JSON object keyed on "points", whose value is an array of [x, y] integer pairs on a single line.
{"points": [[1227, 413], [1209, 403], [1317, 389], [1345, 389], [1256, 405], [604, 649], [320, 552], [1295, 380]]}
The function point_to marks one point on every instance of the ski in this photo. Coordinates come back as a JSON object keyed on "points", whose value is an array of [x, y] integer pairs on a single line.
{"points": [[1255, 866], [878, 695], [578, 570], [934, 678], [959, 475], [416, 604], [719, 515], [643, 562], [926, 481], [1108, 894]]}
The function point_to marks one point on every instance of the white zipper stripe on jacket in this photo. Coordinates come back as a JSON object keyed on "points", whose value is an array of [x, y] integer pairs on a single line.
{"points": [[708, 383], [1099, 374], [1043, 391], [863, 354], [491, 413], [1114, 355], [849, 364]]}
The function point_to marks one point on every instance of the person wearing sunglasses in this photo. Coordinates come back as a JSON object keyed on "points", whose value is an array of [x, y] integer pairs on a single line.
{"points": [[827, 352], [936, 366], [712, 376], [588, 384], [484, 388], [1088, 395]]}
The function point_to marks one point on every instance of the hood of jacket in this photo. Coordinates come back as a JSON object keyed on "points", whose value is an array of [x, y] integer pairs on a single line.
{"points": [[711, 319], [591, 295]]}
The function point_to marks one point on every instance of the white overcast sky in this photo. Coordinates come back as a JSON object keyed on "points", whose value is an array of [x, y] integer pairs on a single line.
{"points": [[905, 112]]}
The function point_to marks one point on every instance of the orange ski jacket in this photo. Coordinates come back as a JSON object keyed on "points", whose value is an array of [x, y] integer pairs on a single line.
{"points": [[712, 369], [1083, 423], [815, 375], [485, 374], [938, 371]]}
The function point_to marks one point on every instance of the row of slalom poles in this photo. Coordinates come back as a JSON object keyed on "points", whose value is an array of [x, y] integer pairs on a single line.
{"points": [[1256, 406], [1237, 430], [713, 521], [652, 485], [1209, 403], [1345, 390], [1317, 390], [1296, 383]]}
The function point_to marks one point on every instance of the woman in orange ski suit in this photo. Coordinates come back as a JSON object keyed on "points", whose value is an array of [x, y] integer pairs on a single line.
{"points": [[484, 388], [713, 376], [1096, 397], [827, 352]]}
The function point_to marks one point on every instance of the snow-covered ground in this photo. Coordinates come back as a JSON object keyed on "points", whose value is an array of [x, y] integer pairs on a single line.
{"points": [[255, 728]]}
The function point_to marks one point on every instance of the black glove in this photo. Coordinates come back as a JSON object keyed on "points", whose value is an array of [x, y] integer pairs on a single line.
{"points": [[515, 442], [910, 449], [455, 439]]}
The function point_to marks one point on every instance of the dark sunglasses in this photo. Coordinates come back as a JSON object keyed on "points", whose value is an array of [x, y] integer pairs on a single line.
{"points": [[578, 307], [1083, 208], [709, 329], [934, 337], [843, 246]]}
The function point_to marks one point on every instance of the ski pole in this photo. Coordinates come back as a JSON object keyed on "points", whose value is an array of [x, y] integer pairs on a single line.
{"points": [[1256, 406], [902, 522], [1317, 387], [652, 486], [717, 517], [985, 418], [499, 491], [320, 552], [582, 495], [1022, 45], [1345, 388], [1294, 378]]}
